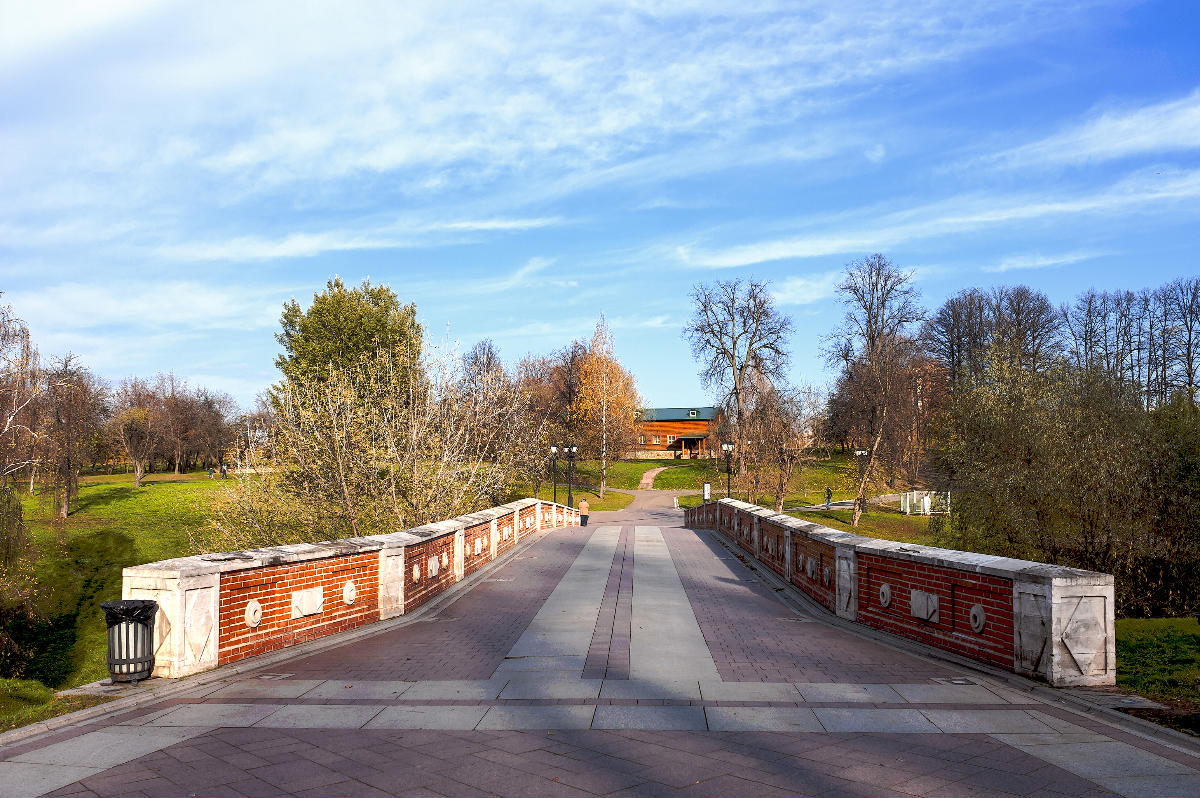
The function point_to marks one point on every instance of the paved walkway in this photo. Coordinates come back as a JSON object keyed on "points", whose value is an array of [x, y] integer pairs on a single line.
{"points": [[632, 657]]}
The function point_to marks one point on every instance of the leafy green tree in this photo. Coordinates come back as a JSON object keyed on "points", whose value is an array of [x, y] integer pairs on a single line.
{"points": [[344, 324]]}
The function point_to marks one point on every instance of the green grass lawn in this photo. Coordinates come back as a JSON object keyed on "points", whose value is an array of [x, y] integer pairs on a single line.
{"points": [[625, 474], [112, 525], [611, 501], [875, 523], [24, 701], [1160, 658]]}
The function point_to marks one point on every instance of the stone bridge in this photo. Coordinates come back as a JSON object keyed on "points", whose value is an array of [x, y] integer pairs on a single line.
{"points": [[646, 654]]}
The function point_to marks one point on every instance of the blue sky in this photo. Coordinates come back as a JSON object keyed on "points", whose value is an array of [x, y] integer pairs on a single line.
{"points": [[172, 173]]}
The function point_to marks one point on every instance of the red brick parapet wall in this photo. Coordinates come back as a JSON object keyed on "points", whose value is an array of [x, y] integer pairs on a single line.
{"points": [[219, 608], [1047, 621]]}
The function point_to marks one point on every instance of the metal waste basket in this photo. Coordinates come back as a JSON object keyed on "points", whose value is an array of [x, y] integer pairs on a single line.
{"points": [[130, 638]]}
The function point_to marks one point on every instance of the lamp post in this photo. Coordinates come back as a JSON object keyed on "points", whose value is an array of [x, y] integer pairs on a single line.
{"points": [[554, 468], [570, 451], [727, 447]]}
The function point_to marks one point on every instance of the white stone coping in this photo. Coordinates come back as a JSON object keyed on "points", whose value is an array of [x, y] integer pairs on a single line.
{"points": [[989, 564], [224, 562]]}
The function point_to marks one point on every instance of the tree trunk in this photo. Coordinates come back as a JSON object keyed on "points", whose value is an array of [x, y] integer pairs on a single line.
{"points": [[139, 470], [861, 498]]}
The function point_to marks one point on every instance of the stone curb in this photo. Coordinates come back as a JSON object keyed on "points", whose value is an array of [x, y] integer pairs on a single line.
{"points": [[793, 597], [166, 688]]}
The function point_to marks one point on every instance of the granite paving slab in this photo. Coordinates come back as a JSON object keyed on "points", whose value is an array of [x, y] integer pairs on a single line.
{"points": [[547, 716], [651, 688], [320, 716], [359, 690], [428, 717], [662, 718], [749, 691], [874, 720], [772, 719], [232, 715], [995, 721], [834, 692]]}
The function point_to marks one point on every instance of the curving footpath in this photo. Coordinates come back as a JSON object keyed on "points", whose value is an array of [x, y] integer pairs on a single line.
{"points": [[632, 657]]}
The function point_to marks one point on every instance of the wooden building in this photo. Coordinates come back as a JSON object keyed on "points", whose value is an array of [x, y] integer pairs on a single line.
{"points": [[678, 432]]}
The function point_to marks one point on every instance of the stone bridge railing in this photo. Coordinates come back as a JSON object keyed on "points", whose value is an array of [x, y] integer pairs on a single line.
{"points": [[220, 608], [1047, 621]]}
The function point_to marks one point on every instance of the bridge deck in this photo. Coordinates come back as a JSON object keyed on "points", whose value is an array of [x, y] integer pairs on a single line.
{"points": [[631, 657]]}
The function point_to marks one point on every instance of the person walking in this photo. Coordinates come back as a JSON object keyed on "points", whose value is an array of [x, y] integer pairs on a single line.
{"points": [[583, 512], [828, 496]]}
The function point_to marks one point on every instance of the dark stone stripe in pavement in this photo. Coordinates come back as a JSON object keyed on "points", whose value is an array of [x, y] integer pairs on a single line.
{"points": [[286, 762], [608, 656], [750, 639], [466, 639]]}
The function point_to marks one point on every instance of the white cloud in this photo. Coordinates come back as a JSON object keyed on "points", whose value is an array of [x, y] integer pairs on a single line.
{"points": [[147, 306], [303, 245], [806, 289], [877, 231], [1037, 260], [876, 153], [1157, 129]]}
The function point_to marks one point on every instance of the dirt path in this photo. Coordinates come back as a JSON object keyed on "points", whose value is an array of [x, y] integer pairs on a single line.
{"points": [[647, 482]]}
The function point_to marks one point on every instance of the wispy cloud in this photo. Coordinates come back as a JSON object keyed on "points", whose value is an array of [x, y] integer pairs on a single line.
{"points": [[1037, 260], [306, 245], [806, 289], [1157, 129], [950, 217]]}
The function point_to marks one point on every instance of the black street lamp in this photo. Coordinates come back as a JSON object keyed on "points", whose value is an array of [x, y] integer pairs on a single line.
{"points": [[727, 447], [554, 468], [570, 451]]}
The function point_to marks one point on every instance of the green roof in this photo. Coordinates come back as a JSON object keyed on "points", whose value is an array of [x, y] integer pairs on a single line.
{"points": [[678, 414]]}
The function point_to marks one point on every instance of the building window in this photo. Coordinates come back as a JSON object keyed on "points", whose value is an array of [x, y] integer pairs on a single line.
{"points": [[657, 439], [642, 439], [670, 439], [691, 414]]}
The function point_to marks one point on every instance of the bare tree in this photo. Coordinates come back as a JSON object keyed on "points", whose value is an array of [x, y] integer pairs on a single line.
{"points": [[872, 343], [735, 328], [959, 333], [1026, 326], [136, 424], [73, 410]]}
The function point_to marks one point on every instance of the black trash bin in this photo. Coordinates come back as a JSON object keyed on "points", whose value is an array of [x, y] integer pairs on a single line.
{"points": [[130, 638]]}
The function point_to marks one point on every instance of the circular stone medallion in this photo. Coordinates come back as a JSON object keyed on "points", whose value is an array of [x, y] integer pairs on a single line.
{"points": [[253, 613], [978, 618], [349, 592], [885, 595]]}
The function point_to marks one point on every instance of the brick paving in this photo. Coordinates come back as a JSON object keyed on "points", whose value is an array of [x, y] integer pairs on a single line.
{"points": [[257, 763], [860, 718], [467, 639], [608, 655]]}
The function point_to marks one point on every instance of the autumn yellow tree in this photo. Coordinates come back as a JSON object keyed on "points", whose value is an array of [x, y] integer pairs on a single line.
{"points": [[606, 404]]}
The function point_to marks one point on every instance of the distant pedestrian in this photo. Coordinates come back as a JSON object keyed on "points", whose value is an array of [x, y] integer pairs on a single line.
{"points": [[210, 472], [224, 471], [828, 496], [583, 512]]}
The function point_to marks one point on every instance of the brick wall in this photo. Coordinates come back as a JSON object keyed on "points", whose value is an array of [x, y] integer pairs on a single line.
{"points": [[272, 589], [817, 579], [223, 607], [957, 592], [1041, 620]]}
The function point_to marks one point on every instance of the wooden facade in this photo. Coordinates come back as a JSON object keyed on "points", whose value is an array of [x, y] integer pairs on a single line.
{"points": [[678, 432]]}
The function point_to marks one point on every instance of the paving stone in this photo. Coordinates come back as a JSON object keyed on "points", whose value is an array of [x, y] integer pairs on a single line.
{"points": [[638, 688], [337, 689], [649, 717], [1172, 786], [762, 719], [104, 749], [947, 694], [471, 689], [427, 717], [525, 686], [834, 691], [749, 691], [874, 720], [1107, 760], [550, 716], [28, 779], [320, 716], [266, 688], [995, 721], [215, 715]]}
